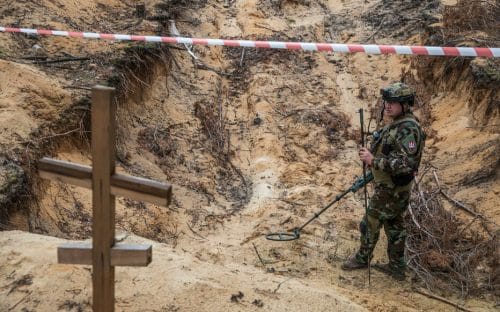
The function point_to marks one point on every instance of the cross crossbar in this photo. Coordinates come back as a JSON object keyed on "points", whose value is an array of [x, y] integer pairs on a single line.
{"points": [[121, 185], [121, 254]]}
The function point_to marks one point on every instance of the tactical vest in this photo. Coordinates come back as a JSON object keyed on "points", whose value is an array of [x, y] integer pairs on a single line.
{"points": [[401, 181]]}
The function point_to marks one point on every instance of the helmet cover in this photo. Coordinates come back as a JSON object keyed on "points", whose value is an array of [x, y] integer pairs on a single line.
{"points": [[398, 92]]}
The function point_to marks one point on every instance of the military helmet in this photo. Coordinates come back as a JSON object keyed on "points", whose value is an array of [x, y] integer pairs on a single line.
{"points": [[398, 92]]}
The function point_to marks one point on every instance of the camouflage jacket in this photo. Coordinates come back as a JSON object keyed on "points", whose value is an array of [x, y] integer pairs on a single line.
{"points": [[397, 150]]}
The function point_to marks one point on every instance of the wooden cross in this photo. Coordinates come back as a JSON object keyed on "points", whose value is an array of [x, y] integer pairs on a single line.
{"points": [[103, 253]]}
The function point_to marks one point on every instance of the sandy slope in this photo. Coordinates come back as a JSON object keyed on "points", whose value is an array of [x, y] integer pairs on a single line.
{"points": [[29, 97]]}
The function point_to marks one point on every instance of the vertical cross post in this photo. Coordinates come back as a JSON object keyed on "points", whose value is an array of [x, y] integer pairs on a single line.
{"points": [[103, 229]]}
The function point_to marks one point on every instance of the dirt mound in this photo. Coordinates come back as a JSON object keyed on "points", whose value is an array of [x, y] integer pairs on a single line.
{"points": [[186, 282]]}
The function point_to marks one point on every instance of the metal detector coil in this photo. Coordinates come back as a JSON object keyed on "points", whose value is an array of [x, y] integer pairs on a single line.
{"points": [[281, 236]]}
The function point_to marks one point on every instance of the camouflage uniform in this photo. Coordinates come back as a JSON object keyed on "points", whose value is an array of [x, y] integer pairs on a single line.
{"points": [[397, 152]]}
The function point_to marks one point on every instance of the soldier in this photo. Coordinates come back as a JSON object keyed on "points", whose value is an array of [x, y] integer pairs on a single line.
{"points": [[394, 158]]}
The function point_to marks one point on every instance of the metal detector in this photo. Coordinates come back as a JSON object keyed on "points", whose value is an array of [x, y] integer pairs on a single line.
{"points": [[295, 234]]}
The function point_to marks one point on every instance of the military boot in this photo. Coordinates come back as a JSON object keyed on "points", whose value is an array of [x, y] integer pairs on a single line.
{"points": [[352, 263], [389, 270]]}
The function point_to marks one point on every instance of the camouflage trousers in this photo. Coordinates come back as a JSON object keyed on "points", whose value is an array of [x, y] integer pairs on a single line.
{"points": [[386, 208]]}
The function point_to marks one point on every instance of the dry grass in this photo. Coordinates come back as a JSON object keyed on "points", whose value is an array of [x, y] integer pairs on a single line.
{"points": [[133, 68], [472, 20]]}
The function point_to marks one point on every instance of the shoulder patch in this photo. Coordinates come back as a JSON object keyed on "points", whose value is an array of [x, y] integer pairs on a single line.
{"points": [[410, 144], [412, 147]]}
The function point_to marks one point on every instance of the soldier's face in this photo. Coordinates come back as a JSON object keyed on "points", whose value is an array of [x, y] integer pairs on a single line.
{"points": [[393, 109]]}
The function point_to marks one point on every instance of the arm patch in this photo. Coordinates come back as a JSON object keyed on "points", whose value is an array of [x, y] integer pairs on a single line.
{"points": [[409, 143]]}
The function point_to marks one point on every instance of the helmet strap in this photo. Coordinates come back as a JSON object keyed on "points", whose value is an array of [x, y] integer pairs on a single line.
{"points": [[382, 111]]}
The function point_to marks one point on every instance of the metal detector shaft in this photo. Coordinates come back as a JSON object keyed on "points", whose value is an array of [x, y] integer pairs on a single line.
{"points": [[317, 214], [361, 121], [284, 236]]}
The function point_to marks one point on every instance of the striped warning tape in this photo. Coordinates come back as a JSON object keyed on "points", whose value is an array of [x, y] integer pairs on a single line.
{"points": [[306, 46]]}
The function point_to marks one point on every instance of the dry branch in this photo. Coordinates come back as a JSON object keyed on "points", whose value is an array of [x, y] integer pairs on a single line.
{"points": [[195, 233], [258, 255], [442, 250], [442, 300], [21, 300], [61, 60], [463, 207], [459, 204], [376, 31], [279, 285], [214, 124]]}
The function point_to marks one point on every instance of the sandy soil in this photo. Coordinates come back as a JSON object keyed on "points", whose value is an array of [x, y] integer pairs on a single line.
{"points": [[292, 122]]}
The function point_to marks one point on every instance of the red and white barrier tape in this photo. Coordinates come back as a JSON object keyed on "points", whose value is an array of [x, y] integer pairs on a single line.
{"points": [[306, 46]]}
